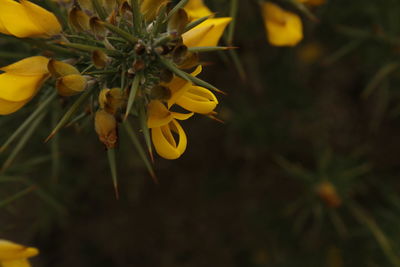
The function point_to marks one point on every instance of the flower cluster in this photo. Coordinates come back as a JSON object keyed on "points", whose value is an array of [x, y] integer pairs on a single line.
{"points": [[126, 59]]}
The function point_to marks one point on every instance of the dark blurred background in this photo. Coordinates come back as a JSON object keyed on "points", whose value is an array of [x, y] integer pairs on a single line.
{"points": [[304, 171]]}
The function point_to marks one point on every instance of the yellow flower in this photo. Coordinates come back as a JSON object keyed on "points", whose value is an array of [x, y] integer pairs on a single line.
{"points": [[69, 80], [193, 98], [207, 33], [312, 2], [197, 9], [25, 19], [20, 82], [283, 28], [15, 255], [163, 123]]}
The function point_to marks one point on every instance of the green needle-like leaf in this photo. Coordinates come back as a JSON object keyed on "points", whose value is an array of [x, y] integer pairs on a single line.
{"points": [[135, 140], [126, 35], [178, 6], [201, 49], [193, 24], [146, 130], [29, 120], [71, 111], [186, 76], [16, 196], [113, 167], [132, 94], [22, 142]]}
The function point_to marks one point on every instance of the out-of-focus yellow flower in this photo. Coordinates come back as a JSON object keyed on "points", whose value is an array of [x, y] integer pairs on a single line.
{"points": [[312, 2], [163, 123], [25, 19], [197, 9], [193, 98], [15, 255], [207, 33], [283, 28], [20, 82], [150, 8]]}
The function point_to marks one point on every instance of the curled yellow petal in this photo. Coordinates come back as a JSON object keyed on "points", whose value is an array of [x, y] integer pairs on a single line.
{"points": [[197, 9], [207, 33], [10, 251], [198, 99], [165, 143], [71, 84], [18, 88], [159, 115], [283, 28], [179, 86]]}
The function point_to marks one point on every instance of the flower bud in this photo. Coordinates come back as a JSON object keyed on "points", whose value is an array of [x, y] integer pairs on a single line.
{"points": [[178, 22], [100, 59], [97, 27], [78, 19], [59, 68], [179, 54], [71, 84], [106, 128], [111, 100], [327, 192]]}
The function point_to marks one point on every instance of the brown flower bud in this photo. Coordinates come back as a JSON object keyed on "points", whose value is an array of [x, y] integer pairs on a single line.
{"points": [[71, 84], [111, 100], [106, 128], [178, 22], [327, 192], [78, 19], [59, 68], [100, 59], [98, 29]]}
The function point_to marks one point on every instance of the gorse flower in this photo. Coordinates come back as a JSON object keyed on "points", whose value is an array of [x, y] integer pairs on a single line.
{"points": [[117, 61], [283, 28], [15, 255], [20, 82], [25, 19]]}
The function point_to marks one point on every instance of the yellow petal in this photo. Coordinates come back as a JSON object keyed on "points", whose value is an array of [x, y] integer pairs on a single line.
{"points": [[71, 84], [283, 28], [12, 251], [197, 9], [8, 107], [181, 116], [30, 66], [198, 99], [207, 33], [164, 141], [16, 263], [18, 88], [158, 114], [44, 19], [16, 21], [178, 86]]}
